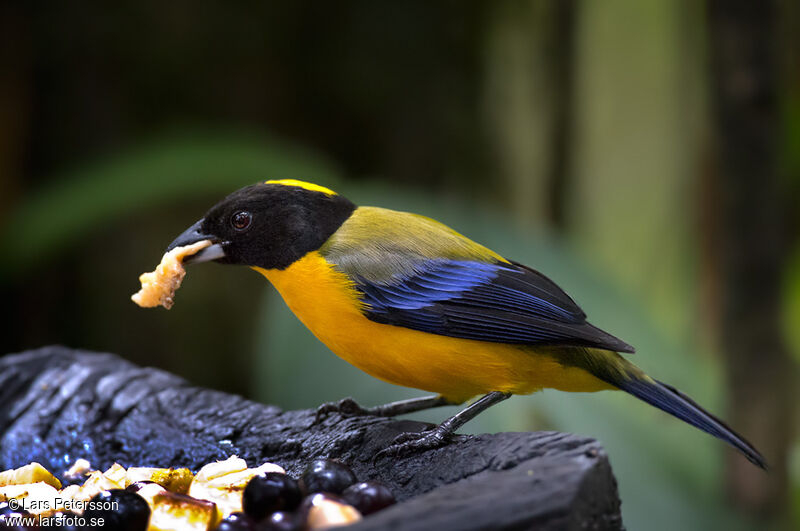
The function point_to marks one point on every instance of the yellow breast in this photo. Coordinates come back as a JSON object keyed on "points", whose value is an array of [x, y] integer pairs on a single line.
{"points": [[325, 300]]}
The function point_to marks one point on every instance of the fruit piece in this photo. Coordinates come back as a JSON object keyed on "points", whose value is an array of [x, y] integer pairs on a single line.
{"points": [[116, 473], [31, 473], [170, 510], [238, 522], [368, 497], [270, 492], [159, 286], [97, 483], [119, 509], [37, 498], [147, 490], [173, 479], [224, 481], [70, 492], [326, 475], [78, 471], [281, 521], [323, 511], [221, 468]]}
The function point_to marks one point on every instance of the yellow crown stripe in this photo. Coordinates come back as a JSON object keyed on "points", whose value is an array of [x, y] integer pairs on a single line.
{"points": [[302, 184]]}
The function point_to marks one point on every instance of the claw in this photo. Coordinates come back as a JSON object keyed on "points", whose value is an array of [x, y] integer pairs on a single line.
{"points": [[346, 407], [411, 442]]}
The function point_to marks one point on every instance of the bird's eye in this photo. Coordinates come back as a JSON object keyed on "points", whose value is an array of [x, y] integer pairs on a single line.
{"points": [[241, 220]]}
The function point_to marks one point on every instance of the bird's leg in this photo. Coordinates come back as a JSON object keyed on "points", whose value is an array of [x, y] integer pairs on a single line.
{"points": [[350, 408], [411, 442]]}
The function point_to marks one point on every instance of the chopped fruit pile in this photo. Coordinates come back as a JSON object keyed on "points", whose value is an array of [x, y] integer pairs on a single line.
{"points": [[224, 496], [159, 286]]}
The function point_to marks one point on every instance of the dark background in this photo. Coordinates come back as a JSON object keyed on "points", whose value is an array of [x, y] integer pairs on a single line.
{"points": [[645, 155]]}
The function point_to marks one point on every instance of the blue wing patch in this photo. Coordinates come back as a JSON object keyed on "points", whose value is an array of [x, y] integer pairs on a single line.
{"points": [[496, 302]]}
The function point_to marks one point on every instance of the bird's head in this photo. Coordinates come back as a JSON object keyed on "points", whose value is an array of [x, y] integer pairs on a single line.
{"points": [[268, 225]]}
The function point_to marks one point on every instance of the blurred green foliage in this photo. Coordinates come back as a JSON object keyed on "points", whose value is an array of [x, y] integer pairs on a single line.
{"points": [[173, 168]]}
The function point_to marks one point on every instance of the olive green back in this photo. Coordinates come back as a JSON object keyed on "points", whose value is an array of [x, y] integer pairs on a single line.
{"points": [[379, 244]]}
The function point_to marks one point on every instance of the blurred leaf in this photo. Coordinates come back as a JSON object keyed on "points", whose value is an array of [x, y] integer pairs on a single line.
{"points": [[173, 167], [791, 313]]}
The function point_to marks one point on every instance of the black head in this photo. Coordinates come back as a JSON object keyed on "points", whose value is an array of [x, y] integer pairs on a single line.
{"points": [[269, 225]]}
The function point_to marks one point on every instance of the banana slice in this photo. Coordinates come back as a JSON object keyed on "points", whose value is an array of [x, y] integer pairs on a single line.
{"points": [[116, 473], [31, 473], [170, 510], [223, 483], [79, 469], [36, 498], [173, 479]]}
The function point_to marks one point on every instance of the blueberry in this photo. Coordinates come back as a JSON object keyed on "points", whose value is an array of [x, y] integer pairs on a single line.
{"points": [[238, 522], [281, 521], [368, 497], [270, 492], [325, 475], [119, 509]]}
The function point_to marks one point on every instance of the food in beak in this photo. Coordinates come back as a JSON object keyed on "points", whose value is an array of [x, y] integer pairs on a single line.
{"points": [[159, 286]]}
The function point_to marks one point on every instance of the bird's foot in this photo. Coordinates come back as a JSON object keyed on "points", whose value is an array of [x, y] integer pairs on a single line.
{"points": [[347, 407], [412, 442]]}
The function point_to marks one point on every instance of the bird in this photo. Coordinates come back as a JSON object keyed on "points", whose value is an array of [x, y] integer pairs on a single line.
{"points": [[414, 303]]}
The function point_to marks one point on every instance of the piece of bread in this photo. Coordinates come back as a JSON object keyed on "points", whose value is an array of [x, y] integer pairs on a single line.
{"points": [[159, 286]]}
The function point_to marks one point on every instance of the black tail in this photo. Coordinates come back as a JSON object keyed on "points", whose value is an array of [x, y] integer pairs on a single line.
{"points": [[669, 399]]}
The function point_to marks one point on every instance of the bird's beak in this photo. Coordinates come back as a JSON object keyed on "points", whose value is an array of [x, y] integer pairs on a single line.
{"points": [[194, 234]]}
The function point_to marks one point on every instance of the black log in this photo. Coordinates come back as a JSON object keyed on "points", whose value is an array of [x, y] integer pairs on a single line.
{"points": [[61, 404]]}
